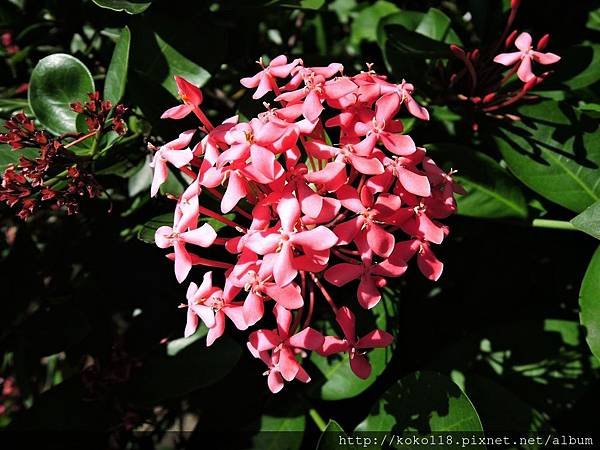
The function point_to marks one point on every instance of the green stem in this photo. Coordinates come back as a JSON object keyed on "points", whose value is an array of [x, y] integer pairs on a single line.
{"points": [[554, 224], [317, 419]]}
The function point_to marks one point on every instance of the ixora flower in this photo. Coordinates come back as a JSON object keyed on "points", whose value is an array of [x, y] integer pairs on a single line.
{"points": [[526, 54], [325, 188]]}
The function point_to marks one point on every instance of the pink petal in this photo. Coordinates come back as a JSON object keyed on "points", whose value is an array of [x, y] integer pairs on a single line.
{"points": [[524, 72], [183, 261], [334, 89], [380, 241], [375, 339], [236, 315], [288, 211], [275, 382], [331, 177], [429, 265], [161, 173], [264, 86], [312, 107], [253, 308], [350, 199], [288, 366], [177, 112], [346, 231], [413, 182], [367, 166], [205, 313], [345, 318], [287, 296], [319, 238], [308, 338], [188, 91], [236, 190], [343, 273], [523, 42], [417, 110], [252, 82], [217, 331], [203, 236], [360, 366], [333, 345], [283, 317], [192, 323], [508, 59], [399, 144], [263, 340], [367, 293], [545, 58], [284, 271], [386, 107], [161, 237]]}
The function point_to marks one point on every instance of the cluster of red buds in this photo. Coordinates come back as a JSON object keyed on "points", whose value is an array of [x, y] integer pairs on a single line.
{"points": [[482, 80], [321, 196], [53, 179], [97, 111]]}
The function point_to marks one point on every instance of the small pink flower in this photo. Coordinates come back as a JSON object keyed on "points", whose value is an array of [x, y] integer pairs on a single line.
{"points": [[198, 305], [174, 152], [524, 56], [177, 238], [190, 95], [264, 80], [352, 345]]}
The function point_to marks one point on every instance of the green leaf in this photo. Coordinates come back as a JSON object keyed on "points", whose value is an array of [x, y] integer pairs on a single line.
{"points": [[155, 59], [555, 151], [579, 67], [142, 179], [57, 81], [191, 367], [435, 25], [491, 191], [589, 303], [129, 6], [116, 76], [330, 437], [593, 22], [589, 221], [280, 432], [410, 43], [9, 156], [336, 380], [423, 402], [364, 26]]}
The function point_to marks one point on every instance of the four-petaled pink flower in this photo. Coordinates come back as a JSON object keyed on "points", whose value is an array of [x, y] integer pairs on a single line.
{"points": [[190, 95], [352, 345], [524, 57]]}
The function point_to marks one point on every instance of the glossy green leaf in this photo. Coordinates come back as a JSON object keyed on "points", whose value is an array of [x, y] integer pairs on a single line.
{"points": [[423, 402], [116, 76], [330, 437], [491, 191], [589, 303], [593, 22], [555, 151], [435, 24], [129, 6], [157, 61], [142, 179], [9, 156], [579, 67], [336, 380], [364, 26], [589, 221], [191, 367], [57, 81], [283, 432], [410, 43]]}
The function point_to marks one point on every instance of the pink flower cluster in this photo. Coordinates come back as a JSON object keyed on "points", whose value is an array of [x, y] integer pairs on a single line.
{"points": [[323, 186]]}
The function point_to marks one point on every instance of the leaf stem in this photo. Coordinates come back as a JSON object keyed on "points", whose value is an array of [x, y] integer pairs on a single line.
{"points": [[554, 224], [317, 419]]}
